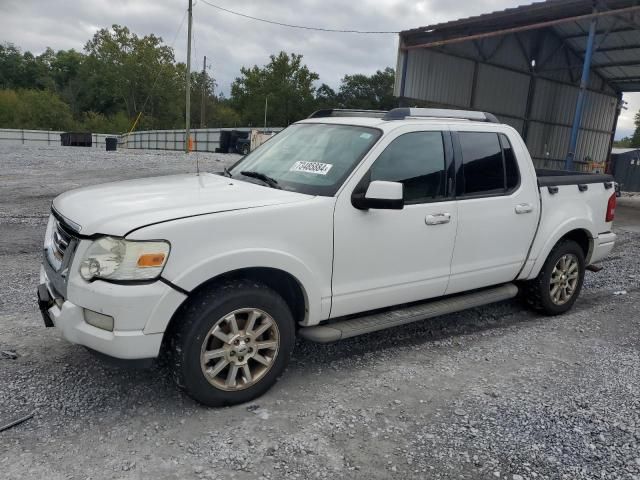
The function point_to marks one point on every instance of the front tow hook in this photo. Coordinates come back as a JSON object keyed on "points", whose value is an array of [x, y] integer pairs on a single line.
{"points": [[45, 302]]}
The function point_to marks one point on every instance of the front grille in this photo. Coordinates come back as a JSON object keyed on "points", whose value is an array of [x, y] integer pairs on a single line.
{"points": [[60, 241], [60, 246]]}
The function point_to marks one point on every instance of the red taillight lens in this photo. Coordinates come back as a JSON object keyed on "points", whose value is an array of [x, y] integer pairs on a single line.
{"points": [[611, 209]]}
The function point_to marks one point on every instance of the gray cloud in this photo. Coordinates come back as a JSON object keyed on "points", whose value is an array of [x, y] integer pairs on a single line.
{"points": [[231, 42]]}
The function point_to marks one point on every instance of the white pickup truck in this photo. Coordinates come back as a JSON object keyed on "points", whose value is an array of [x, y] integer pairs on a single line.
{"points": [[343, 224]]}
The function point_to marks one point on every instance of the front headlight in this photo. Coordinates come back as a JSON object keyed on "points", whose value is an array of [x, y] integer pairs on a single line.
{"points": [[111, 258]]}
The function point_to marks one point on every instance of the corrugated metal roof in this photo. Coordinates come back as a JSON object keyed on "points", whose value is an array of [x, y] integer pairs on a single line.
{"points": [[617, 58]]}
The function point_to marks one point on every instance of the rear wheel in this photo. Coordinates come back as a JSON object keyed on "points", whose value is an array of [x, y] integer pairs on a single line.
{"points": [[558, 285], [232, 343]]}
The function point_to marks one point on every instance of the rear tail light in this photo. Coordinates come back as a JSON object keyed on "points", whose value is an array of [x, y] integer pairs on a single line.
{"points": [[611, 209]]}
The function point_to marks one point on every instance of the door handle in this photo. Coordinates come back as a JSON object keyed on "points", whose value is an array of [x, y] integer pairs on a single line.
{"points": [[524, 208], [437, 219]]}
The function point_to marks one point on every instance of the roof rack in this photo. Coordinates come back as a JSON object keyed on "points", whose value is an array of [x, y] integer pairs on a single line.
{"points": [[403, 113], [345, 112]]}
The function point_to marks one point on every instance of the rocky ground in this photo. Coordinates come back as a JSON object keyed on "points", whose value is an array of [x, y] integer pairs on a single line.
{"points": [[495, 392]]}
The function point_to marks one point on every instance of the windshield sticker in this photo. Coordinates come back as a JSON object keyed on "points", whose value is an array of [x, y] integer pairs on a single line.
{"points": [[365, 135], [311, 167]]}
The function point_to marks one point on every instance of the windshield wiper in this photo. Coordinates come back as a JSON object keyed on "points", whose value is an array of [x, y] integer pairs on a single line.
{"points": [[225, 173], [272, 182]]}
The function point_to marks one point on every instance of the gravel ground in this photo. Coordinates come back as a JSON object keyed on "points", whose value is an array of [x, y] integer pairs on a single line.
{"points": [[494, 392]]}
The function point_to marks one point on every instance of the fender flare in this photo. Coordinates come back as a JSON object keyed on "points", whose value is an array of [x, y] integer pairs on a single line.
{"points": [[563, 229], [317, 304]]}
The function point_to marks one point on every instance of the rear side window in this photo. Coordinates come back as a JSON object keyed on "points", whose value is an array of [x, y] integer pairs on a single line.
{"points": [[482, 163], [489, 165], [417, 161]]}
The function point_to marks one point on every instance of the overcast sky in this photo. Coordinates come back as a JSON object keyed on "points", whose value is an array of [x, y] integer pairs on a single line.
{"points": [[230, 42]]}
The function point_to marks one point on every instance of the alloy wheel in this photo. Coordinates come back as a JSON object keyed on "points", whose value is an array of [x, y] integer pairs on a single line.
{"points": [[564, 279], [240, 349]]}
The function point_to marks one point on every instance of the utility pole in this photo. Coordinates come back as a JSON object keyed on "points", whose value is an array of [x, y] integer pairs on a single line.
{"points": [[187, 132], [204, 91]]}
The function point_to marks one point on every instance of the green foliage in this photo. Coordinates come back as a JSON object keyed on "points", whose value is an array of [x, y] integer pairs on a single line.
{"points": [[326, 97], [635, 139], [623, 143], [373, 93], [124, 72], [285, 83], [98, 122], [34, 109], [120, 74], [8, 107]]}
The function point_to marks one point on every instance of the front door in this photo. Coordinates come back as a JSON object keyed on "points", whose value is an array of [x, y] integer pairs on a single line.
{"points": [[389, 257]]}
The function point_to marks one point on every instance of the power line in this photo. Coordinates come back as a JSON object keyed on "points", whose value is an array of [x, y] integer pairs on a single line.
{"points": [[155, 80], [153, 85], [288, 25]]}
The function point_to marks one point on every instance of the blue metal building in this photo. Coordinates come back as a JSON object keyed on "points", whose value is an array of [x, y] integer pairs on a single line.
{"points": [[625, 167], [554, 70]]}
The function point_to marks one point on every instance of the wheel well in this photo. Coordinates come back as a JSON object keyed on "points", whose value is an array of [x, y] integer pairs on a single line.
{"points": [[282, 282], [582, 238]]}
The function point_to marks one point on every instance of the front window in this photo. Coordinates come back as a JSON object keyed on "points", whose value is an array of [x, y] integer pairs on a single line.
{"points": [[311, 158], [417, 161]]}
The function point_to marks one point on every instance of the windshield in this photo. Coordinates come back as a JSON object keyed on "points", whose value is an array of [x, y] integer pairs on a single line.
{"points": [[312, 158]]}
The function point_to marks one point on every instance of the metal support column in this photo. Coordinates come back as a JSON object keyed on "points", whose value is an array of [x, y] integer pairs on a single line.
{"points": [[526, 123], [403, 77], [609, 166], [474, 84], [187, 116], [584, 83]]}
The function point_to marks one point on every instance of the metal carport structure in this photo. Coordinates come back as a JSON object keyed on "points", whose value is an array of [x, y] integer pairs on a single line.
{"points": [[554, 70]]}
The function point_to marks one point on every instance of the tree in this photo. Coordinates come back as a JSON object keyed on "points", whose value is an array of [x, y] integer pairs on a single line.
{"points": [[99, 123], [285, 83], [36, 109], [372, 93], [123, 71], [635, 139], [326, 97], [66, 69], [622, 143]]}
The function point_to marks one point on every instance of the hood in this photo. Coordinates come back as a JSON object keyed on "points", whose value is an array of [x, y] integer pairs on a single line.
{"points": [[119, 207]]}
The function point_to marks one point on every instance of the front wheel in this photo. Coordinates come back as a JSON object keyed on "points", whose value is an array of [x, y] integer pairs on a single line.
{"points": [[558, 285], [232, 343]]}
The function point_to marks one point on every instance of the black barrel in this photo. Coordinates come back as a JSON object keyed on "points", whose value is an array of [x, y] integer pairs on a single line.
{"points": [[225, 137], [76, 139], [111, 144]]}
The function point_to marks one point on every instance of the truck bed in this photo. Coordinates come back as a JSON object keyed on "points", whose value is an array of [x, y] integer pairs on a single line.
{"points": [[553, 178]]}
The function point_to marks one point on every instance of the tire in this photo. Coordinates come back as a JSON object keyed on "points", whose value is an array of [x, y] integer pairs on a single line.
{"points": [[245, 150], [204, 339], [540, 293]]}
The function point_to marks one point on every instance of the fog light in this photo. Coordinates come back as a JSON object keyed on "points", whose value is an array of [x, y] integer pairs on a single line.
{"points": [[98, 320]]}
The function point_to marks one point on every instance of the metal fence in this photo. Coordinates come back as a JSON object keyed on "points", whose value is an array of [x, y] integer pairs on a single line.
{"points": [[43, 137], [203, 139]]}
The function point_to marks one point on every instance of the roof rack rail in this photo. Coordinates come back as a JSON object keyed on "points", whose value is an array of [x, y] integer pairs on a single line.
{"points": [[347, 112], [402, 113]]}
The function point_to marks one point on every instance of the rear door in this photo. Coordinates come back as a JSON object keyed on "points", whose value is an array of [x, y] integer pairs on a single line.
{"points": [[498, 210], [388, 257]]}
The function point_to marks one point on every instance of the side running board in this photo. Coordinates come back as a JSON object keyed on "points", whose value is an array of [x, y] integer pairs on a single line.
{"points": [[339, 330]]}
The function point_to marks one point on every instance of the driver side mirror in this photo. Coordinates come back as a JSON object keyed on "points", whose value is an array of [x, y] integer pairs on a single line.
{"points": [[380, 195]]}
